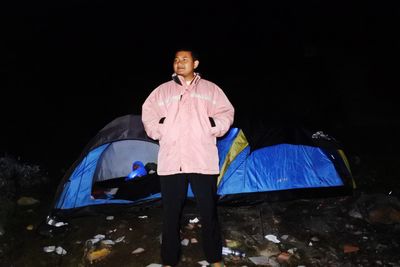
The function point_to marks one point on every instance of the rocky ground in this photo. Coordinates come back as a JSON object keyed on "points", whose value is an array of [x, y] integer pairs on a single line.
{"points": [[358, 229]]}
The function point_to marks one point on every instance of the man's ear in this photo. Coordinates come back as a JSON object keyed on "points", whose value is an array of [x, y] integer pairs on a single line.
{"points": [[196, 63]]}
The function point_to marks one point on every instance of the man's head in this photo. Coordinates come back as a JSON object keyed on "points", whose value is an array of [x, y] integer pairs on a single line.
{"points": [[185, 62]]}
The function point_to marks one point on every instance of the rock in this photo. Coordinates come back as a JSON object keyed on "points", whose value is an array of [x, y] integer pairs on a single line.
{"points": [[27, 201], [347, 248], [268, 250], [384, 215]]}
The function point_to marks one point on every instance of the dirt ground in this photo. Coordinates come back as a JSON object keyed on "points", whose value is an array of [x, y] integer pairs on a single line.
{"points": [[358, 229]]}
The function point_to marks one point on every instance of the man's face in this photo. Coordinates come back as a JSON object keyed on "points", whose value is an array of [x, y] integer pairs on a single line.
{"points": [[184, 64]]}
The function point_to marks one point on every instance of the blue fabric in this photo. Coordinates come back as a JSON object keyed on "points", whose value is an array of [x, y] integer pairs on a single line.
{"points": [[224, 145], [138, 170], [77, 192], [286, 166], [271, 168], [233, 180]]}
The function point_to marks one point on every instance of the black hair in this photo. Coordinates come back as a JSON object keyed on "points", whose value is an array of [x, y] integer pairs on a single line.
{"points": [[192, 50]]}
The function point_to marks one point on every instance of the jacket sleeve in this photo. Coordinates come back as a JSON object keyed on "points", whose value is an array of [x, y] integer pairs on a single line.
{"points": [[222, 114], [151, 115]]}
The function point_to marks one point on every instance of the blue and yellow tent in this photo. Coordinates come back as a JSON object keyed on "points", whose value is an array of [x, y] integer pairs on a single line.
{"points": [[281, 159], [273, 163]]}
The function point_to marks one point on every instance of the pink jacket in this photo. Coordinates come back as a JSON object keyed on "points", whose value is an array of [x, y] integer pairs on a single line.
{"points": [[186, 136]]}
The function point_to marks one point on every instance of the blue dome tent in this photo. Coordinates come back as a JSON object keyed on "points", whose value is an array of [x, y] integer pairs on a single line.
{"points": [[277, 162]]}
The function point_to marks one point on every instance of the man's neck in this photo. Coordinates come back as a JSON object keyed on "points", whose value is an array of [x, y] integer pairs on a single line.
{"points": [[188, 80]]}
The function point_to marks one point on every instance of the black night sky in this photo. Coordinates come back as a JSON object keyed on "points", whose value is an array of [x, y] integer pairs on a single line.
{"points": [[70, 67]]}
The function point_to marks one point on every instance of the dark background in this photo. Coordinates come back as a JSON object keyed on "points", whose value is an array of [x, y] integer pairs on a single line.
{"points": [[70, 67]]}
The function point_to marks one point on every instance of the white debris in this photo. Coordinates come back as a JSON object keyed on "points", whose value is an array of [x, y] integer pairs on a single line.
{"points": [[262, 260], [272, 238], [315, 239], [99, 236], [185, 242], [60, 251], [284, 237], [49, 249], [203, 263], [59, 224], [119, 239], [110, 218], [108, 242], [138, 250], [195, 220]]}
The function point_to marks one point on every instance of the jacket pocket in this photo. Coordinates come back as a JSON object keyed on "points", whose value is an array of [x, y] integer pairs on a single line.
{"points": [[212, 122]]}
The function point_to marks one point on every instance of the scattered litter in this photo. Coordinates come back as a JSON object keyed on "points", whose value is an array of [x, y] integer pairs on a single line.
{"points": [[355, 214], [315, 239], [49, 249], [154, 265], [27, 201], [321, 135], [142, 217], [261, 260], [108, 242], [59, 224], [96, 238], [194, 241], [110, 218], [138, 250], [203, 263], [284, 237], [50, 220], [228, 251], [29, 227], [272, 238], [98, 254], [60, 251], [119, 239], [99, 236], [160, 238], [231, 243], [195, 220], [185, 242]]}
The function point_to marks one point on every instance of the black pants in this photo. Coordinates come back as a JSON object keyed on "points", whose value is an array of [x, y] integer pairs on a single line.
{"points": [[174, 190]]}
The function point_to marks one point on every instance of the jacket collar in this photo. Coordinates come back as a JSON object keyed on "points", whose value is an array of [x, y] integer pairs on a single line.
{"points": [[179, 79]]}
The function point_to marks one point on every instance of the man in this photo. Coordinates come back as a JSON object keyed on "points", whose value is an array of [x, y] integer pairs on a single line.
{"points": [[186, 115]]}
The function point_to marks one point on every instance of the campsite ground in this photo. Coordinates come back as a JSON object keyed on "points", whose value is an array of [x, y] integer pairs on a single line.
{"points": [[359, 229]]}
